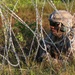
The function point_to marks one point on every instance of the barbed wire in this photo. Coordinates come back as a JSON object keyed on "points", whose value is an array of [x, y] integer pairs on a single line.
{"points": [[38, 34]]}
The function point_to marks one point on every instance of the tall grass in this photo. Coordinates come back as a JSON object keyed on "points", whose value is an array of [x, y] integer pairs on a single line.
{"points": [[27, 12], [44, 68]]}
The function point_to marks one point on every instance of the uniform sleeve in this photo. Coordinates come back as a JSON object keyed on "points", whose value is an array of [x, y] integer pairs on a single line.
{"points": [[42, 51]]}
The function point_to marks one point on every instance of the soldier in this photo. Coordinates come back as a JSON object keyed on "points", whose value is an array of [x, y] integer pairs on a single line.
{"points": [[57, 43]]}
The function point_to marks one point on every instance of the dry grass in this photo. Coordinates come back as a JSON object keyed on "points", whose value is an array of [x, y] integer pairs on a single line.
{"points": [[28, 14]]}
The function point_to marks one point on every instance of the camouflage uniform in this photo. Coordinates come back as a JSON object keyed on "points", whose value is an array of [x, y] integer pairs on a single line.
{"points": [[57, 44]]}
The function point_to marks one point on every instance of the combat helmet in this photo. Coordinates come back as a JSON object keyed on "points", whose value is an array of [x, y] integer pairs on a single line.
{"points": [[63, 17]]}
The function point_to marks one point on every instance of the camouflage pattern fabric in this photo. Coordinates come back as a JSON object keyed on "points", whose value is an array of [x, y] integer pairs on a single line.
{"points": [[55, 45]]}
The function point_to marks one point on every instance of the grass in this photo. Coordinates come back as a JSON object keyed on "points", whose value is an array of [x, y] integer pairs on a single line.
{"points": [[28, 14], [44, 68]]}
